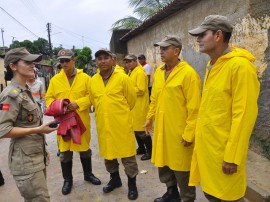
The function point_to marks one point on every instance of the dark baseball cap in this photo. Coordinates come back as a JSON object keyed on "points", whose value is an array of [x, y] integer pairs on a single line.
{"points": [[103, 51], [170, 40], [17, 54], [130, 57], [142, 56], [213, 22], [65, 53]]}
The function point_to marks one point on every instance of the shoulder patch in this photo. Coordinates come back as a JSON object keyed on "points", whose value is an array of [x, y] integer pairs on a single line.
{"points": [[4, 106], [13, 93]]}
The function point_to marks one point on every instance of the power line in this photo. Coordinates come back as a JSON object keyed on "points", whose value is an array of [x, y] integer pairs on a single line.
{"points": [[18, 22], [78, 35]]}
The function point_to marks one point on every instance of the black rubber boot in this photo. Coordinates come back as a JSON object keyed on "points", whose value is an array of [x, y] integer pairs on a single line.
{"points": [[2, 181], [87, 171], [67, 175], [132, 188], [58, 153], [172, 195], [115, 182], [141, 148], [148, 144]]}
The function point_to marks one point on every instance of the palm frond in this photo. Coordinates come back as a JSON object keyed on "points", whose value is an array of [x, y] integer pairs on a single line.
{"points": [[128, 22], [145, 12], [144, 9]]}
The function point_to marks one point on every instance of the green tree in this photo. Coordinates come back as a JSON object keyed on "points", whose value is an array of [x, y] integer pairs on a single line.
{"points": [[83, 57], [26, 43], [144, 9], [39, 46], [57, 49], [42, 46]]}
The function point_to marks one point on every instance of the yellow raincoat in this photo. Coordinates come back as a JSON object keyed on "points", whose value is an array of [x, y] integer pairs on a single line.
{"points": [[139, 112], [113, 104], [60, 88], [120, 69], [227, 116], [174, 106]]}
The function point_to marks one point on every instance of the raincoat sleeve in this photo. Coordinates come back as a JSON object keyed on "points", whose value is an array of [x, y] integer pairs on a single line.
{"points": [[84, 102], [245, 90], [192, 93], [50, 97], [140, 84], [129, 91], [153, 98]]}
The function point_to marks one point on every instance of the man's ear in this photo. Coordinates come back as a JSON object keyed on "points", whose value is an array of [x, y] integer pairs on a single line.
{"points": [[219, 35]]}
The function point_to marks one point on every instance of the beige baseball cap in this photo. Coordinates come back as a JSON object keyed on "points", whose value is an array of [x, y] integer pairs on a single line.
{"points": [[65, 53], [213, 22], [170, 40], [130, 57], [17, 54]]}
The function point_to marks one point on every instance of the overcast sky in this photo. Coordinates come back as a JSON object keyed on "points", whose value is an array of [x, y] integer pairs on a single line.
{"points": [[78, 23]]}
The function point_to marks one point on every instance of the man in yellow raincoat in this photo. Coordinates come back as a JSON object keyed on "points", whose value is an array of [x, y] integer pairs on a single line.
{"points": [[140, 80], [174, 107], [113, 96], [227, 113], [116, 66], [74, 85]]}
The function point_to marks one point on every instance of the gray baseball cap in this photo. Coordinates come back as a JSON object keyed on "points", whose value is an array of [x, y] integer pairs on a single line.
{"points": [[65, 53], [170, 40], [130, 57], [17, 54], [213, 22]]}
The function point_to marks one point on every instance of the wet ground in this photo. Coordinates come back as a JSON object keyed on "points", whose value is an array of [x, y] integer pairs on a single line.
{"points": [[148, 184]]}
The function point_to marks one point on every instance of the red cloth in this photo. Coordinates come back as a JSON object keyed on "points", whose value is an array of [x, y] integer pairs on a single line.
{"points": [[71, 125]]}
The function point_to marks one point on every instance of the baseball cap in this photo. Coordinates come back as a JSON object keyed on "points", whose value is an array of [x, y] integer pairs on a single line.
{"points": [[141, 56], [130, 57], [17, 54], [65, 53], [213, 22], [113, 55], [170, 40], [103, 51]]}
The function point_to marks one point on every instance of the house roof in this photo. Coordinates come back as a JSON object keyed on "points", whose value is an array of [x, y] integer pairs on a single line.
{"points": [[171, 8]]}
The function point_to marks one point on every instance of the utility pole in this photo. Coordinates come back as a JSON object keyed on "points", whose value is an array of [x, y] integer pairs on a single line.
{"points": [[13, 37], [49, 36], [2, 30]]}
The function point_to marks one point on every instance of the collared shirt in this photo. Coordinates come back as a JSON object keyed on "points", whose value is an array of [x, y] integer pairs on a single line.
{"points": [[227, 50], [105, 80], [38, 90], [26, 154], [72, 76], [168, 70]]}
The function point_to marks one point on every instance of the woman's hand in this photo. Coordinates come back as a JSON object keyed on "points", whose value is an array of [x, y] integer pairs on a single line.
{"points": [[44, 128]]}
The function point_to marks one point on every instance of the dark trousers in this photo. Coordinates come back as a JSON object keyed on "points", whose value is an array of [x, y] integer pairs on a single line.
{"points": [[129, 163], [180, 178], [67, 156], [214, 199]]}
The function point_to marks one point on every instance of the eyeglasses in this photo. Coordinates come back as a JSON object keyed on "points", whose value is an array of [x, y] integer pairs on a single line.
{"points": [[64, 60]]}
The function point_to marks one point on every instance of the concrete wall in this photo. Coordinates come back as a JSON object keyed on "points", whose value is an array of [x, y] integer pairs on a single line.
{"points": [[251, 19]]}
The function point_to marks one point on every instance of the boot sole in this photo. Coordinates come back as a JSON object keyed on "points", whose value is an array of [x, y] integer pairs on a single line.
{"points": [[99, 183]]}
